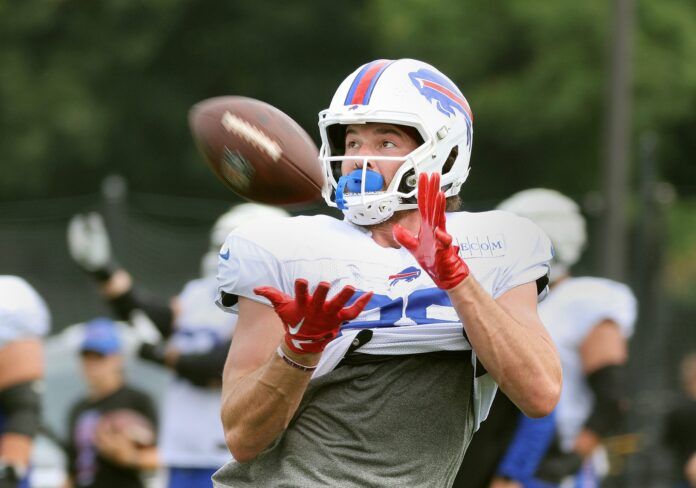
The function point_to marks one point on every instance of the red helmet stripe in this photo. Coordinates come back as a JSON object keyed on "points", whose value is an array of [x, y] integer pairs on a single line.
{"points": [[361, 89]]}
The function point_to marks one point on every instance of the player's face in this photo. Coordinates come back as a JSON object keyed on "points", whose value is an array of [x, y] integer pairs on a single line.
{"points": [[377, 139], [99, 369]]}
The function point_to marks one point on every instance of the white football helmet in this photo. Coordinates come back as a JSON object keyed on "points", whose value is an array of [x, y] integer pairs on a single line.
{"points": [[559, 217], [230, 220], [404, 92]]}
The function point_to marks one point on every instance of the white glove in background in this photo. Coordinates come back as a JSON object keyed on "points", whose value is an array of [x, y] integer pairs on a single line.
{"points": [[144, 330], [88, 242]]}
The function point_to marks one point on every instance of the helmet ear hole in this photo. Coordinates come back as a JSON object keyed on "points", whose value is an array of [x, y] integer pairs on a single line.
{"points": [[450, 160], [408, 181]]}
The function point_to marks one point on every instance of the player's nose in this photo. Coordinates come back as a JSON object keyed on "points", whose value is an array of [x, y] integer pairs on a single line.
{"points": [[362, 162]]}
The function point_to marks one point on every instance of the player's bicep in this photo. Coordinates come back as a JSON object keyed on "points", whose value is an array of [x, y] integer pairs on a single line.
{"points": [[256, 337], [521, 303], [605, 345]]}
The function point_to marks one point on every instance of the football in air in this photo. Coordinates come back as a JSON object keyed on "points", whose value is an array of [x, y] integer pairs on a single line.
{"points": [[258, 152]]}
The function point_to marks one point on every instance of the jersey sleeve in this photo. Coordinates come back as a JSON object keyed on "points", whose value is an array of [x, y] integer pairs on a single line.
{"points": [[23, 312], [530, 251], [245, 264], [606, 300]]}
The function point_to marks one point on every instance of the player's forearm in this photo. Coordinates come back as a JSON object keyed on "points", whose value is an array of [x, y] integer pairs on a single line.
{"points": [[124, 298], [522, 360], [586, 442], [257, 407], [117, 284], [146, 459], [15, 449]]}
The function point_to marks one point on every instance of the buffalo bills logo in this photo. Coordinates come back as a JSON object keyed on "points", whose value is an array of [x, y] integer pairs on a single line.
{"points": [[448, 100], [408, 274]]}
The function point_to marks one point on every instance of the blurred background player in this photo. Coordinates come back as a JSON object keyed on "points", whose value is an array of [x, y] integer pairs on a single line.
{"points": [[590, 320], [24, 319], [112, 430], [196, 336], [680, 426]]}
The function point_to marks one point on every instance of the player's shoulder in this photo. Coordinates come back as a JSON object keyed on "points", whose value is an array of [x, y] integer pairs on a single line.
{"points": [[492, 221], [496, 230], [593, 288], [13, 286], [595, 299], [275, 224], [287, 235], [24, 311]]}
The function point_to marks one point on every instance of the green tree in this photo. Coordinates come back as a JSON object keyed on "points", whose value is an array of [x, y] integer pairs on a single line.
{"points": [[535, 74]]}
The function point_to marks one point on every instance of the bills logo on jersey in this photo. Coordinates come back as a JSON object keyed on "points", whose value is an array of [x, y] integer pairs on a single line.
{"points": [[406, 275]]}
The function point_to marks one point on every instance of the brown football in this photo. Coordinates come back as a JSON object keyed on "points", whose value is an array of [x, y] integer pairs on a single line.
{"points": [[129, 423], [259, 152]]}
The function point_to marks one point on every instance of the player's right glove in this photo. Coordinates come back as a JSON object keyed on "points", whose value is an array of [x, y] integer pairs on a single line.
{"points": [[312, 321], [432, 247], [88, 242]]}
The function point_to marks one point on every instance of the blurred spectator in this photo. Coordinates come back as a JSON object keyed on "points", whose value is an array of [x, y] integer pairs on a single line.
{"points": [[590, 320], [24, 319], [111, 430], [680, 426], [195, 338]]}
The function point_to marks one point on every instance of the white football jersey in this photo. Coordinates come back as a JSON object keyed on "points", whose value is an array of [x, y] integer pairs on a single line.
{"points": [[407, 313], [23, 313], [570, 312], [191, 434]]}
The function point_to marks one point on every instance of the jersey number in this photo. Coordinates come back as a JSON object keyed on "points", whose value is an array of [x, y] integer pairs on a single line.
{"points": [[383, 311]]}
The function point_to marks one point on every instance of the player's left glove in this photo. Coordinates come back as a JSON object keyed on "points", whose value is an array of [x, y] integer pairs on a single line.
{"points": [[433, 247], [89, 246], [312, 321]]}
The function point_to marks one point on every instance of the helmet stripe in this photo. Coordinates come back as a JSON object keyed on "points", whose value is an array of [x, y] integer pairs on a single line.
{"points": [[363, 84], [461, 101]]}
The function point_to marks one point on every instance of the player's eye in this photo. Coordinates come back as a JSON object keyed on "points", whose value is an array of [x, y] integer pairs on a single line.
{"points": [[352, 144], [388, 144]]}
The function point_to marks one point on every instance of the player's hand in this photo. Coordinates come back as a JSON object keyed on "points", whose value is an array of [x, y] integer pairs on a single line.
{"points": [[586, 442], [312, 321], [115, 446], [498, 482], [690, 470], [432, 247], [88, 242]]}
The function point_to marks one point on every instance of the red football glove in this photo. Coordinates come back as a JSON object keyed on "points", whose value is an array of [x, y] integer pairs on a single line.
{"points": [[310, 321], [433, 247]]}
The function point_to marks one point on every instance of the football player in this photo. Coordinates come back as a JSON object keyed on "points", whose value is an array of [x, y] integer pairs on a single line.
{"points": [[590, 320], [196, 334], [404, 316], [24, 319], [100, 452]]}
